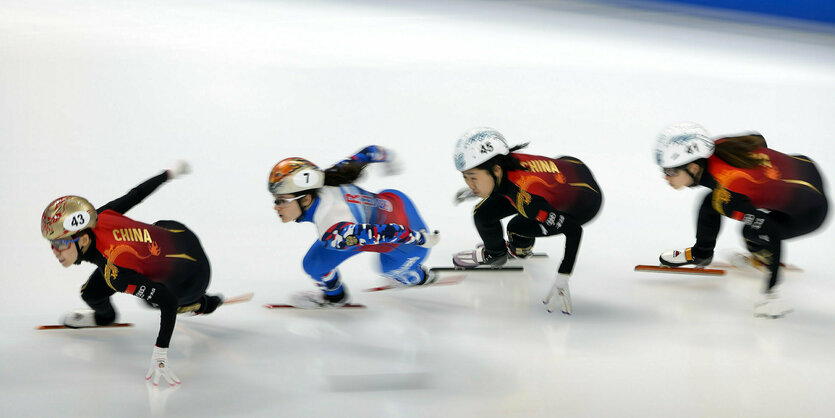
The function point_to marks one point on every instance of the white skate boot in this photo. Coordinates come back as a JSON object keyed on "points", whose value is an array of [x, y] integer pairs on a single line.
{"points": [[478, 257], [312, 299], [678, 258], [80, 318], [745, 261], [771, 306]]}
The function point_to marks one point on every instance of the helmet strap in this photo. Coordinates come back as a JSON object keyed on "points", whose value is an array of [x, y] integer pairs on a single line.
{"points": [[78, 252], [303, 209], [88, 233], [696, 178], [496, 180]]}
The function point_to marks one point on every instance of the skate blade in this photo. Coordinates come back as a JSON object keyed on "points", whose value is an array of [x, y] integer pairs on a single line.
{"points": [[116, 325], [446, 281], [681, 270], [480, 268], [287, 306]]}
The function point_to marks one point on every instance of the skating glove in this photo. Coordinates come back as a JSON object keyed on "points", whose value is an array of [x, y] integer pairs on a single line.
{"points": [[392, 164], [462, 195], [771, 306], [159, 367], [560, 288], [179, 168], [430, 239]]}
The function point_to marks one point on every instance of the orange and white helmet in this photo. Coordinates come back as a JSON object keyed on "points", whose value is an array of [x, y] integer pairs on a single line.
{"points": [[293, 175], [67, 215]]}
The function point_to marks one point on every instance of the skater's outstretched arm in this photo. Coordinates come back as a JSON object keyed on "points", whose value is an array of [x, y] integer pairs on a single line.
{"points": [[368, 155], [135, 195], [140, 192]]}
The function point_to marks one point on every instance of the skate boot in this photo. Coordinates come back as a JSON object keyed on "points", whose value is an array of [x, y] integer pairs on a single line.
{"points": [[205, 305], [479, 257], [84, 318], [429, 277], [520, 253], [679, 258], [311, 299], [209, 304]]}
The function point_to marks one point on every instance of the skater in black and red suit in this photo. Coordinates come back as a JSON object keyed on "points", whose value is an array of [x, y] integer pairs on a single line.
{"points": [[162, 263], [776, 196], [548, 196]]}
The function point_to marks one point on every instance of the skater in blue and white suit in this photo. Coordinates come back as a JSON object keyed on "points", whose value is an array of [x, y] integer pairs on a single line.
{"points": [[350, 220]]}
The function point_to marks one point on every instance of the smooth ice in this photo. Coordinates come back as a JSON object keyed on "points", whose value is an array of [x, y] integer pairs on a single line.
{"points": [[96, 96]]}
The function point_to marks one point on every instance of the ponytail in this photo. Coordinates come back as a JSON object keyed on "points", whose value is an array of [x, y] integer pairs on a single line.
{"points": [[737, 150], [344, 173], [506, 162]]}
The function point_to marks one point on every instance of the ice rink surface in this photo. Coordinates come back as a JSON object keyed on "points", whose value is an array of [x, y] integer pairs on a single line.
{"points": [[96, 96]]}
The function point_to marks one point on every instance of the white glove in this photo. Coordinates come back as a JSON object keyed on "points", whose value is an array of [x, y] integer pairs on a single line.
{"points": [[430, 239], [180, 167], [771, 306], [159, 367], [462, 195], [560, 288], [393, 165]]}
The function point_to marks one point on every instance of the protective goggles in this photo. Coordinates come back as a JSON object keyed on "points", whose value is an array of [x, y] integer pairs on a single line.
{"points": [[62, 244], [284, 201], [671, 172]]}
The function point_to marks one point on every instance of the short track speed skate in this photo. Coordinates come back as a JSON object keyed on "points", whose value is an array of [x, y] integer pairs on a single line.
{"points": [[481, 260], [682, 262], [680, 270]]}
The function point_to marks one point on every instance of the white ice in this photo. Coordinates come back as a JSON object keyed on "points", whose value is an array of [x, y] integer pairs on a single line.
{"points": [[96, 96]]}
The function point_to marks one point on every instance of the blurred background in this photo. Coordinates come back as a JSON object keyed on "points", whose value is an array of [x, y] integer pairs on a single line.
{"points": [[97, 96]]}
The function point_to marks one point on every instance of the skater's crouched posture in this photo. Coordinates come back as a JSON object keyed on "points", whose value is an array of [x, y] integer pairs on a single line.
{"points": [[776, 196], [162, 263], [350, 220], [548, 196]]}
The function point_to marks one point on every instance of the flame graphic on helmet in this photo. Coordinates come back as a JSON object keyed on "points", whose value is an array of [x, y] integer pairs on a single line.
{"points": [[285, 169]]}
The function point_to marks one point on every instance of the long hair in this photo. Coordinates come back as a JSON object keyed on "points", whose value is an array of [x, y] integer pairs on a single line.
{"points": [[737, 150], [505, 162], [344, 173]]}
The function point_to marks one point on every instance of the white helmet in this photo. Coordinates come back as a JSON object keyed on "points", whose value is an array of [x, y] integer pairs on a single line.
{"points": [[477, 146], [682, 143]]}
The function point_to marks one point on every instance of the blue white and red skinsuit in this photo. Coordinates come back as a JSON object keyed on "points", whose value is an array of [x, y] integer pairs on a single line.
{"points": [[351, 220]]}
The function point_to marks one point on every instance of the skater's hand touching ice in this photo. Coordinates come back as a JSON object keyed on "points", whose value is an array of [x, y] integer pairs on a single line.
{"points": [[159, 368]]}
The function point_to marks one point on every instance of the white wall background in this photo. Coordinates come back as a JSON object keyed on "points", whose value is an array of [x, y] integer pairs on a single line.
{"points": [[97, 96]]}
